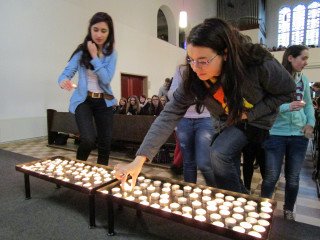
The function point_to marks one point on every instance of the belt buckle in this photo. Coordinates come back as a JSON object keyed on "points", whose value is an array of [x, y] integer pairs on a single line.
{"points": [[95, 95]]}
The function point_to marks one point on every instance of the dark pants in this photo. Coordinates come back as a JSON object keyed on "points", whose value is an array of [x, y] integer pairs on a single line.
{"points": [[94, 110], [252, 151]]}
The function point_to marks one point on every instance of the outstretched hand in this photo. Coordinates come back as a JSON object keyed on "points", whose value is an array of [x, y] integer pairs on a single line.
{"points": [[122, 171], [67, 84]]}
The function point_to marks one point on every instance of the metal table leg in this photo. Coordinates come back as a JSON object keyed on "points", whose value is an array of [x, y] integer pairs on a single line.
{"points": [[27, 186], [110, 217], [92, 212]]}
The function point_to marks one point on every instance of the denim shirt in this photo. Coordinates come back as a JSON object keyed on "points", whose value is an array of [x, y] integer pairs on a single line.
{"points": [[103, 67]]}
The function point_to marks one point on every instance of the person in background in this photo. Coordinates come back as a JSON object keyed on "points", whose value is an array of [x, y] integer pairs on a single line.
{"points": [[290, 132], [92, 98], [163, 100], [122, 107], [316, 89], [155, 106], [133, 106], [194, 134], [242, 86], [163, 91], [144, 105]]}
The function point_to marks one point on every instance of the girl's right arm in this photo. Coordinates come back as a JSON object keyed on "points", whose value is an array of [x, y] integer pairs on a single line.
{"points": [[70, 70]]}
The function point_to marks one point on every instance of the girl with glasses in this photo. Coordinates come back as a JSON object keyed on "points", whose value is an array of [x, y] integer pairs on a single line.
{"points": [[241, 85]]}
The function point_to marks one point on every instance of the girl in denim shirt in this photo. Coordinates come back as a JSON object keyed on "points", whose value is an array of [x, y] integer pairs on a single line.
{"points": [[92, 98]]}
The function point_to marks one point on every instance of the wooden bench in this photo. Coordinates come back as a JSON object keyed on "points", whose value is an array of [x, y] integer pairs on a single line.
{"points": [[130, 129]]}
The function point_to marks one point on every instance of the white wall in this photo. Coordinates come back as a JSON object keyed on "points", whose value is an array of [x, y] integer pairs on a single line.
{"points": [[38, 37]]}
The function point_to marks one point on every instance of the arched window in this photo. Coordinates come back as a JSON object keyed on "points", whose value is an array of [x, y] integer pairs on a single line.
{"points": [[284, 26], [299, 25], [312, 36], [162, 26]]}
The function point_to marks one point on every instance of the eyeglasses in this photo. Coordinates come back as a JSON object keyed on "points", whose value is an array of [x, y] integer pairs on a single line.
{"points": [[200, 63]]}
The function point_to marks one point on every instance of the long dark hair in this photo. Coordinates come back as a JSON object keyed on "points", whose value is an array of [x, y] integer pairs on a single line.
{"points": [[108, 45], [218, 35], [294, 51]]}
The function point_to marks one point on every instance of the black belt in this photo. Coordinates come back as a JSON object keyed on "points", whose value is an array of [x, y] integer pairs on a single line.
{"points": [[100, 95]]}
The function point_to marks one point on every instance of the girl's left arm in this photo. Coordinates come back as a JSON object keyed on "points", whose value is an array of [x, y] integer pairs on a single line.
{"points": [[105, 69]]}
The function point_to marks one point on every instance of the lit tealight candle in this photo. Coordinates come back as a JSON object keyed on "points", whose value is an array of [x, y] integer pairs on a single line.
{"points": [[197, 191], [238, 210], [263, 222], [175, 187], [115, 190], [146, 203], [87, 185], [249, 208], [200, 218], [79, 183], [196, 204], [137, 193], [155, 205], [223, 207], [230, 222], [97, 182], [166, 190], [238, 217], [155, 196], [218, 224], [151, 189], [166, 209], [219, 195], [206, 192], [259, 229], [187, 209], [264, 215], [193, 196], [201, 211], [228, 204], [177, 212], [130, 198], [118, 195], [239, 229], [86, 179], [182, 200], [142, 198], [219, 201], [247, 226], [164, 196], [187, 215], [215, 217], [251, 220], [229, 198], [174, 206], [242, 200], [157, 183], [77, 177], [266, 209], [266, 204], [164, 202], [224, 213], [167, 185], [212, 202], [255, 234], [253, 214], [212, 209], [141, 179], [252, 203]]}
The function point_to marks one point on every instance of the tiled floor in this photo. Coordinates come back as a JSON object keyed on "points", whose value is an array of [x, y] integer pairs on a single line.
{"points": [[307, 206]]}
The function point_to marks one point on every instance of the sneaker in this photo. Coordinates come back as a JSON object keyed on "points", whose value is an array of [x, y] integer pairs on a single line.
{"points": [[288, 215]]}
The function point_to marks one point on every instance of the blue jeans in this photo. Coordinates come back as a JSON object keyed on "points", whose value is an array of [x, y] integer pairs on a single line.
{"points": [[94, 110], [294, 149], [225, 159], [195, 135]]}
